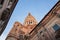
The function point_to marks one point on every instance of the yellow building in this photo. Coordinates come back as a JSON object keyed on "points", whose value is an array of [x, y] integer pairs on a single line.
{"points": [[47, 29]]}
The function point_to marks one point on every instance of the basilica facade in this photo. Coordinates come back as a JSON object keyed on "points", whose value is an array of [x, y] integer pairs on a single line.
{"points": [[47, 29], [19, 30]]}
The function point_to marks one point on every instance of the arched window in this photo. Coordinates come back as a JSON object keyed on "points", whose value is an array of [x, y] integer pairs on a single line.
{"points": [[30, 22], [5, 14]]}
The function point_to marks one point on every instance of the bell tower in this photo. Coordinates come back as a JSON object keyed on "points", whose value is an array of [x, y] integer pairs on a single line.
{"points": [[30, 20]]}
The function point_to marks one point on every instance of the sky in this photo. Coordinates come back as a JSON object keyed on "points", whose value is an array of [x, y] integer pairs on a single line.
{"points": [[37, 8]]}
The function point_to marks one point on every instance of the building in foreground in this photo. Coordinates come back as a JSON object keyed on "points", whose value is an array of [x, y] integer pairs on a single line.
{"points": [[47, 29], [6, 9]]}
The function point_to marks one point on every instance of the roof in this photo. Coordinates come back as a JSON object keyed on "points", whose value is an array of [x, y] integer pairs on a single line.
{"points": [[45, 16]]}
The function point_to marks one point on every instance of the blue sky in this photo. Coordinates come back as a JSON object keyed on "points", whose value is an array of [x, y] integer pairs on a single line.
{"points": [[37, 8]]}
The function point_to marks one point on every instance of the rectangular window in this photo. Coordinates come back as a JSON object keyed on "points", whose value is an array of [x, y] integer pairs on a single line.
{"points": [[12, 0], [0, 6], [41, 32], [1, 3], [56, 27], [21, 37], [10, 3]]}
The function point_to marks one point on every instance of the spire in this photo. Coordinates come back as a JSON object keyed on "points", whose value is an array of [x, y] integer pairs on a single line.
{"points": [[29, 14], [30, 20]]}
